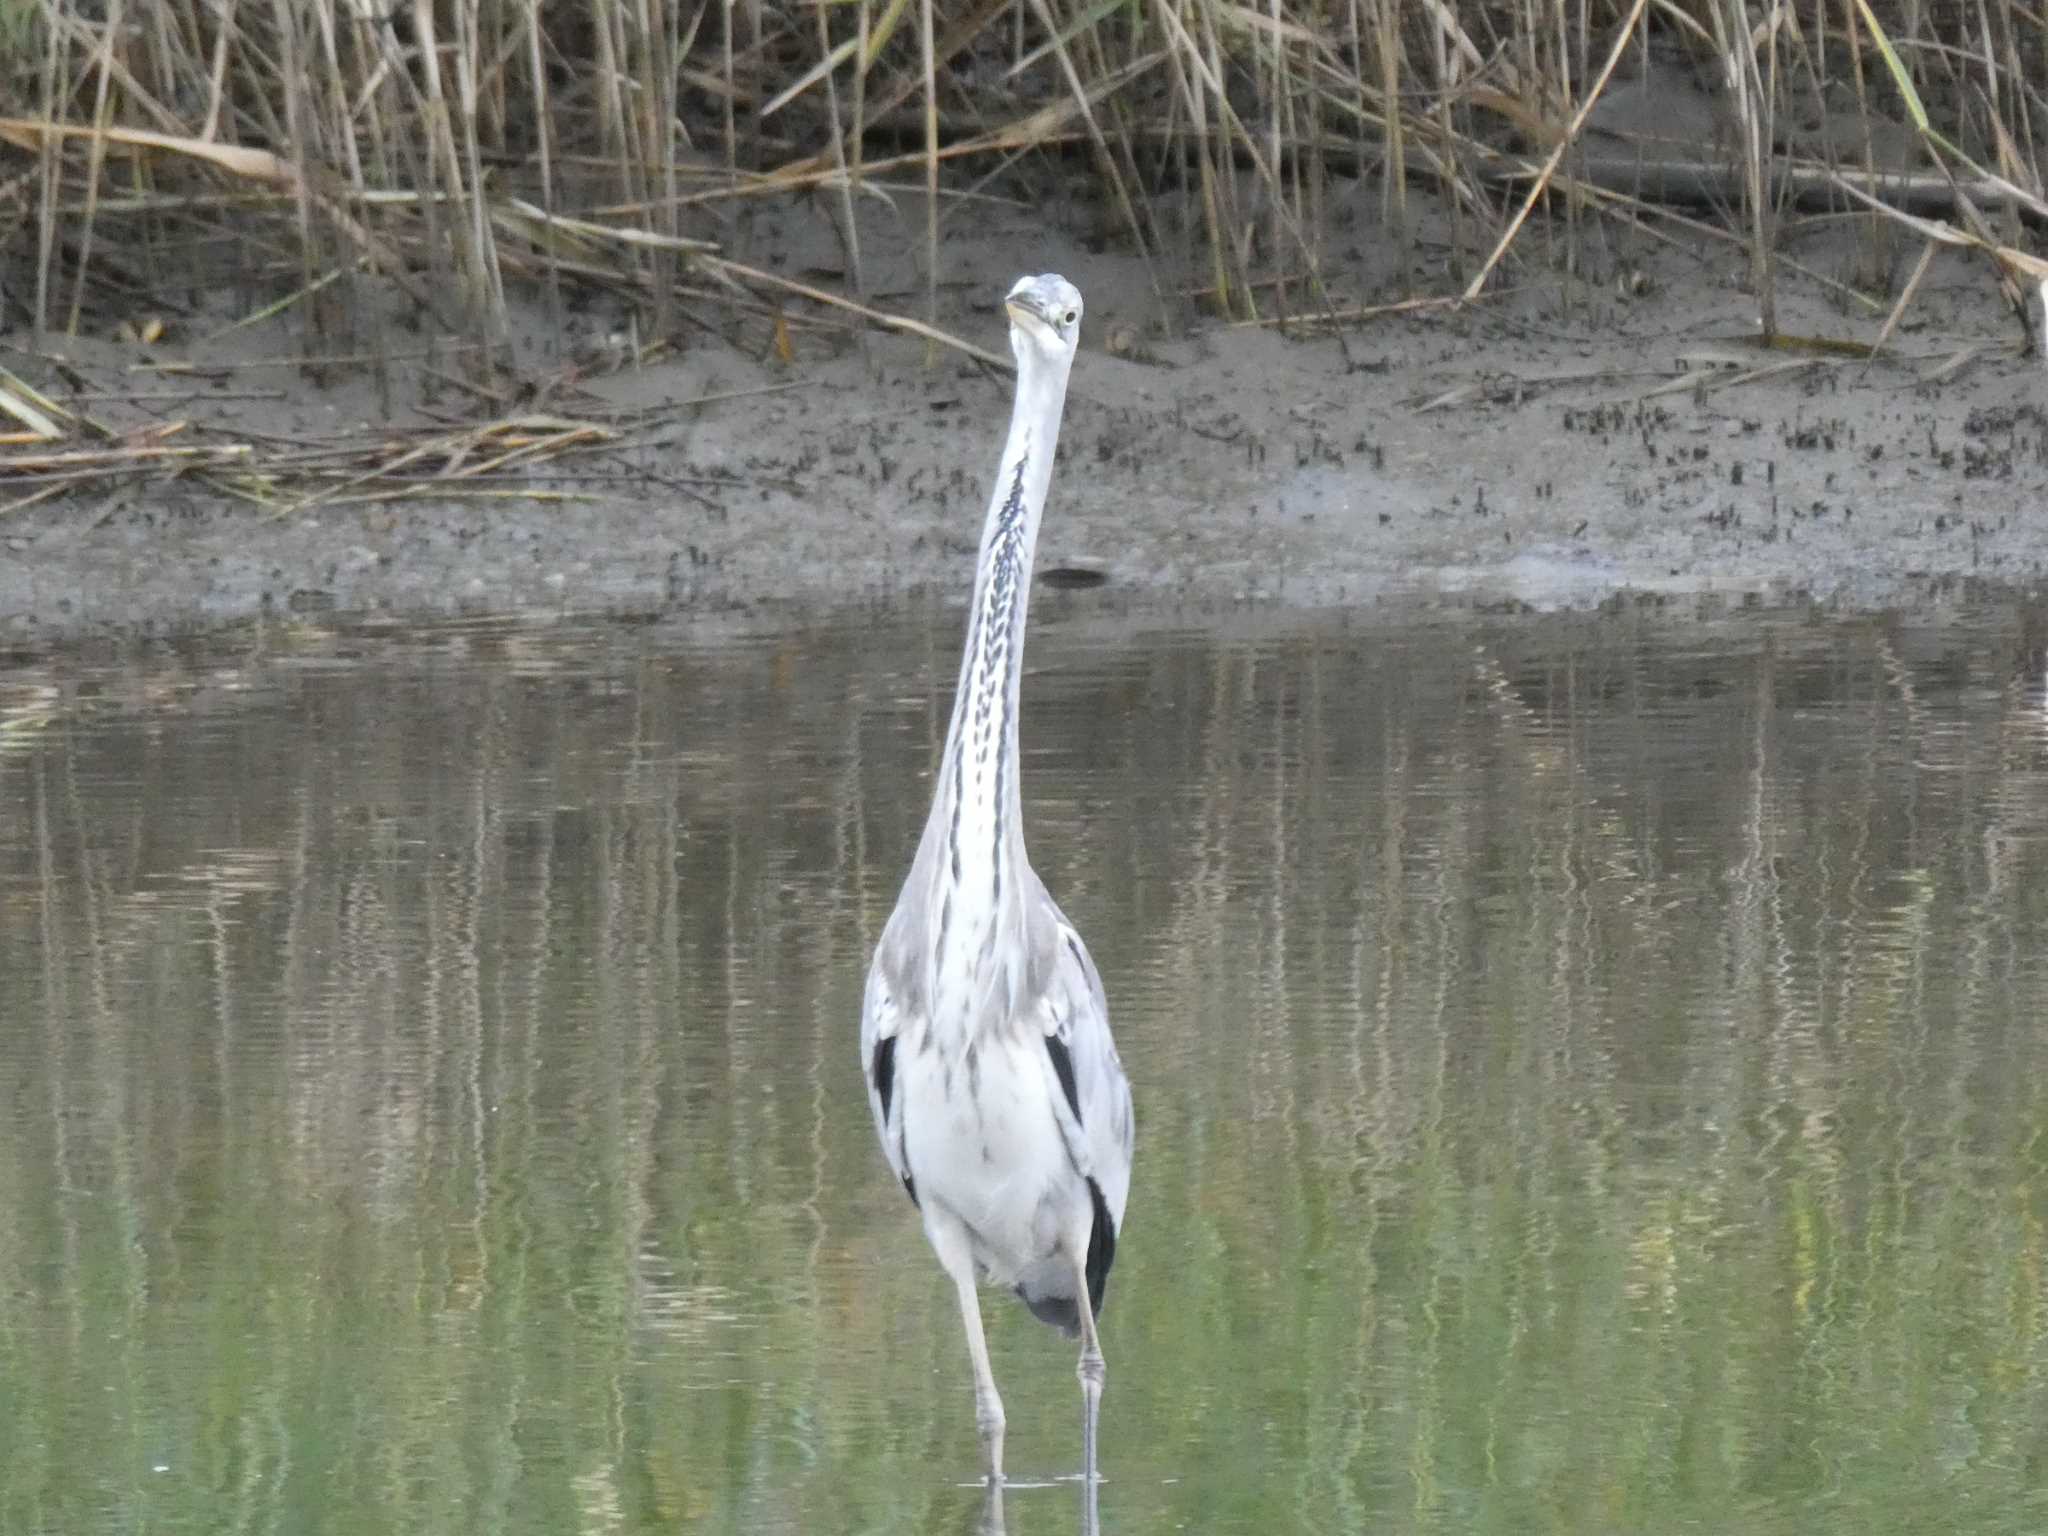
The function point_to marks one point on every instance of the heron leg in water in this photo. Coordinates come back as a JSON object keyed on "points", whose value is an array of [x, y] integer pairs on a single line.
{"points": [[951, 1246], [1091, 1372], [988, 1408]]}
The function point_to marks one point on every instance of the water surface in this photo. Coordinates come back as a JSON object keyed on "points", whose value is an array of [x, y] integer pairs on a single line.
{"points": [[1591, 1076]]}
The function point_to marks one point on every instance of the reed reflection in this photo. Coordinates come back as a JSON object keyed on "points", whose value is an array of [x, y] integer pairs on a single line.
{"points": [[1590, 1073]]}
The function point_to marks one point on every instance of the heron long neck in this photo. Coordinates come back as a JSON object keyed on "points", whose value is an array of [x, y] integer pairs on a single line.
{"points": [[977, 810]]}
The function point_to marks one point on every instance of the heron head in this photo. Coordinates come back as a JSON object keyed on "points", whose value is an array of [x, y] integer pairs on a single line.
{"points": [[1045, 317]]}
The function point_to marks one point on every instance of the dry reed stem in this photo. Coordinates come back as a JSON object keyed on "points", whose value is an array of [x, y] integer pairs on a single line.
{"points": [[425, 144], [740, 274], [1753, 89], [2011, 263], [1095, 134], [291, 478], [29, 406], [848, 223], [1571, 133], [1905, 300]]}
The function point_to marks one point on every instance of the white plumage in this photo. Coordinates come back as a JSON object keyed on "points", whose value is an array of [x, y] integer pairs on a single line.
{"points": [[994, 1083]]}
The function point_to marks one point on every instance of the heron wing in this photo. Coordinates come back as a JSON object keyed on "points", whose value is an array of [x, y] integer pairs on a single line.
{"points": [[1090, 1075], [881, 1021]]}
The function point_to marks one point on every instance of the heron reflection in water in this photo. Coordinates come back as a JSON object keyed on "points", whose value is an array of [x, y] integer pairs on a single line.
{"points": [[994, 1083]]}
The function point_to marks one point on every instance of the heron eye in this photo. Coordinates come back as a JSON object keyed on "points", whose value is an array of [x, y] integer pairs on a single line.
{"points": [[1069, 318]]}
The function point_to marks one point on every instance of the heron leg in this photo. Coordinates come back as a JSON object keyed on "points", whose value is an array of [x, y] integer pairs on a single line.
{"points": [[988, 1407], [949, 1242], [1092, 1372]]}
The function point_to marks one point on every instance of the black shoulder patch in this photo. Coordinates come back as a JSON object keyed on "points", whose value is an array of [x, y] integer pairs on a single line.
{"points": [[885, 1089], [885, 1073], [1101, 1250], [1063, 1068], [910, 1189]]}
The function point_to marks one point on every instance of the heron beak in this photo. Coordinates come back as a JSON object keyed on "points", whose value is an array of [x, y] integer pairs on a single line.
{"points": [[1019, 306]]}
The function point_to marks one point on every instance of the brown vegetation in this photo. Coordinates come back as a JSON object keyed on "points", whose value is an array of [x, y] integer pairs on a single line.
{"points": [[308, 152]]}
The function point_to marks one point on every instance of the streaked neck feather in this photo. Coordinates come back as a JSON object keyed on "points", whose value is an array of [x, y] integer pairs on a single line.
{"points": [[976, 831]]}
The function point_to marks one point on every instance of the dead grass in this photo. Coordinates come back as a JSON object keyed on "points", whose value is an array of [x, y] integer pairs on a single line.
{"points": [[458, 151], [51, 448]]}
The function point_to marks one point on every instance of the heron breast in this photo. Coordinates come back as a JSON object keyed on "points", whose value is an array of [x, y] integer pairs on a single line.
{"points": [[981, 1138]]}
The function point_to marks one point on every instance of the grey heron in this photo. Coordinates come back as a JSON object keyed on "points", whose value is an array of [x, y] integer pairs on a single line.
{"points": [[991, 1074]]}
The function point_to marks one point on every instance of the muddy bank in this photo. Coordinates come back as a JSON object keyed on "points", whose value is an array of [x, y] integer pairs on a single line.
{"points": [[1565, 442]]}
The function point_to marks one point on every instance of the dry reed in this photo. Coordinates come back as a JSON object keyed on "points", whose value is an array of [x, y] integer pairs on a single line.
{"points": [[466, 155]]}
